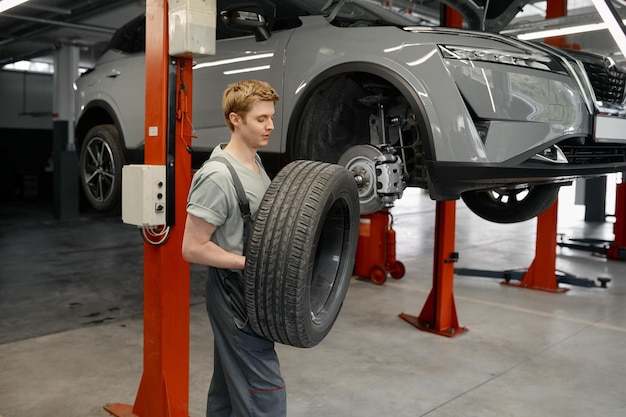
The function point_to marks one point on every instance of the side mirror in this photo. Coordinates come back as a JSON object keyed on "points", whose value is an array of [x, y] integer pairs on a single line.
{"points": [[247, 21]]}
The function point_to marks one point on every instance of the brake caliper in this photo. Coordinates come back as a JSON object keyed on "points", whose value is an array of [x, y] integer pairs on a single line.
{"points": [[379, 175]]}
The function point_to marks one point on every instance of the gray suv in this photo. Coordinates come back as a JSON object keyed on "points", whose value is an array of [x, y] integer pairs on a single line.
{"points": [[499, 122]]}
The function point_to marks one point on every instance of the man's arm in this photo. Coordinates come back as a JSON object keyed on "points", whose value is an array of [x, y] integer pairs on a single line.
{"points": [[198, 248]]}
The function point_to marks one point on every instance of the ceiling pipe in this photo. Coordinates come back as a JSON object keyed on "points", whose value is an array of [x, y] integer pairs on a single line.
{"points": [[47, 8]]}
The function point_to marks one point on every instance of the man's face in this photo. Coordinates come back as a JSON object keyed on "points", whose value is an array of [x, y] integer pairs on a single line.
{"points": [[256, 127]]}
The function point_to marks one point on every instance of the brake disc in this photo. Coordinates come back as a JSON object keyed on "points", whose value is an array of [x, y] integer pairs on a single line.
{"points": [[360, 160]]}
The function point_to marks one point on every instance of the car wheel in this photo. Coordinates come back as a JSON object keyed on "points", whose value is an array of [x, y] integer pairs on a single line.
{"points": [[511, 206], [101, 161], [301, 251]]}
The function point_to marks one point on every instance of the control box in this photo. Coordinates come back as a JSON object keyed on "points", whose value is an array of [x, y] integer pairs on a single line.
{"points": [[143, 195], [192, 26]]}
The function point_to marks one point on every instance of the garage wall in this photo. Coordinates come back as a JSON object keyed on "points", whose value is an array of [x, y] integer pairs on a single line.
{"points": [[25, 140], [26, 100]]}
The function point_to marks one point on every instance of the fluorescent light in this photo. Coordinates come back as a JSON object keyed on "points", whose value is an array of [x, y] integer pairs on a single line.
{"points": [[7, 4], [612, 23], [250, 69], [609, 22], [548, 33], [233, 60]]}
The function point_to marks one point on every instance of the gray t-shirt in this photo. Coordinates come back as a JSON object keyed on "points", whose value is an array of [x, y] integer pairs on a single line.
{"points": [[213, 198]]}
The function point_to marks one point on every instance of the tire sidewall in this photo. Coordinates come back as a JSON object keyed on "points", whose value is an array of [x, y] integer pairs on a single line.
{"points": [[539, 199], [318, 331]]}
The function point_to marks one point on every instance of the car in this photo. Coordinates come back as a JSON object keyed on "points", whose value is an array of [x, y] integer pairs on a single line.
{"points": [[499, 122]]}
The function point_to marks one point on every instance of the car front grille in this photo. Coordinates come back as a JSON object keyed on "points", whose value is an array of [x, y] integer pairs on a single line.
{"points": [[607, 79], [594, 155], [608, 82]]}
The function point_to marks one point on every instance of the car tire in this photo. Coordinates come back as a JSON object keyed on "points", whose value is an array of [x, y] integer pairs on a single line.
{"points": [[301, 251], [101, 161], [511, 206]]}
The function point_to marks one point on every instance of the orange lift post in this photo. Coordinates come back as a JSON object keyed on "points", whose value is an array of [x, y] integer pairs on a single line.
{"points": [[164, 387], [617, 248], [439, 313], [542, 273]]}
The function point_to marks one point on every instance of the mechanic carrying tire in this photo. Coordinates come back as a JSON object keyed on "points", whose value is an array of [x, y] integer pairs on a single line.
{"points": [[297, 256]]}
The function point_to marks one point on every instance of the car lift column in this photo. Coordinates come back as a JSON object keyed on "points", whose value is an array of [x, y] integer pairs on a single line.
{"points": [[164, 387], [542, 274], [617, 248], [556, 9], [439, 313]]}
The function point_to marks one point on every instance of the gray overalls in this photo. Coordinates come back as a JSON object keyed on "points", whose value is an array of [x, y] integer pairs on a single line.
{"points": [[246, 376]]}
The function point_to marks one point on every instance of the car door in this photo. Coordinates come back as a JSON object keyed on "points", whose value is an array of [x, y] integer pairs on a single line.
{"points": [[236, 59]]}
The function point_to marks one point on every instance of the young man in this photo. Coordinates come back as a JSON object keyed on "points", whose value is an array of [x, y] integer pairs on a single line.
{"points": [[246, 376]]}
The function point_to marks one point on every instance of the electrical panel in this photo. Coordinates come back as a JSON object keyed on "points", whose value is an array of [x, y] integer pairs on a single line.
{"points": [[143, 195], [192, 27]]}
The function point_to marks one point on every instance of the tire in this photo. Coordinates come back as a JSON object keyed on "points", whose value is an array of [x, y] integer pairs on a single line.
{"points": [[511, 206], [101, 161], [301, 251]]}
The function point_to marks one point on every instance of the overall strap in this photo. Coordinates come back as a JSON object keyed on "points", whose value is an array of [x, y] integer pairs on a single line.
{"points": [[244, 205]]}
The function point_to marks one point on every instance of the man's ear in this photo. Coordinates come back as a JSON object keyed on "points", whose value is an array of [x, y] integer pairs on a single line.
{"points": [[234, 119]]}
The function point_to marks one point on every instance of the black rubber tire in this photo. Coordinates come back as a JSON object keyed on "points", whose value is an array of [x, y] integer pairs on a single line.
{"points": [[511, 206], [100, 166], [301, 252]]}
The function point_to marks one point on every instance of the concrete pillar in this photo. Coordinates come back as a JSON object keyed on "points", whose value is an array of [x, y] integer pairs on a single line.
{"points": [[595, 199], [65, 177]]}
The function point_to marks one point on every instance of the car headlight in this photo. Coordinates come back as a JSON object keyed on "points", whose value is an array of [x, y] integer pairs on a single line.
{"points": [[530, 60]]}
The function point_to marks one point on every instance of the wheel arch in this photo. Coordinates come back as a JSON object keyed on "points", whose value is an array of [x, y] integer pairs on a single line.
{"points": [[98, 112], [368, 68]]}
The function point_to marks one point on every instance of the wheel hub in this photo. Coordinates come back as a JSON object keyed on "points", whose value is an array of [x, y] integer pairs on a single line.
{"points": [[378, 174]]}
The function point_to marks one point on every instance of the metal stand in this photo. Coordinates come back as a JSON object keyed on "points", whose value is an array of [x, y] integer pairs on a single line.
{"points": [[518, 274], [439, 313]]}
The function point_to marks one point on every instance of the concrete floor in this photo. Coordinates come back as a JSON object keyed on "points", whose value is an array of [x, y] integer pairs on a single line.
{"points": [[71, 326]]}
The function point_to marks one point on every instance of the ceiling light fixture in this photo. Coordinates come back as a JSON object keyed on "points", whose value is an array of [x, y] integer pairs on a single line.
{"points": [[8, 4], [548, 33], [612, 21]]}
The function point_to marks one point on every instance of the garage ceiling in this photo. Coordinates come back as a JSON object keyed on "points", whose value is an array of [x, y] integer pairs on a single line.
{"points": [[36, 28]]}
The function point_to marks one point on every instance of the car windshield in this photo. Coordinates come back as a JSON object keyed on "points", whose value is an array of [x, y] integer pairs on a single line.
{"points": [[364, 13]]}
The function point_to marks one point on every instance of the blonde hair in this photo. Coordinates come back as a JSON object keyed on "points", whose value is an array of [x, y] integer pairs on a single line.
{"points": [[239, 97]]}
